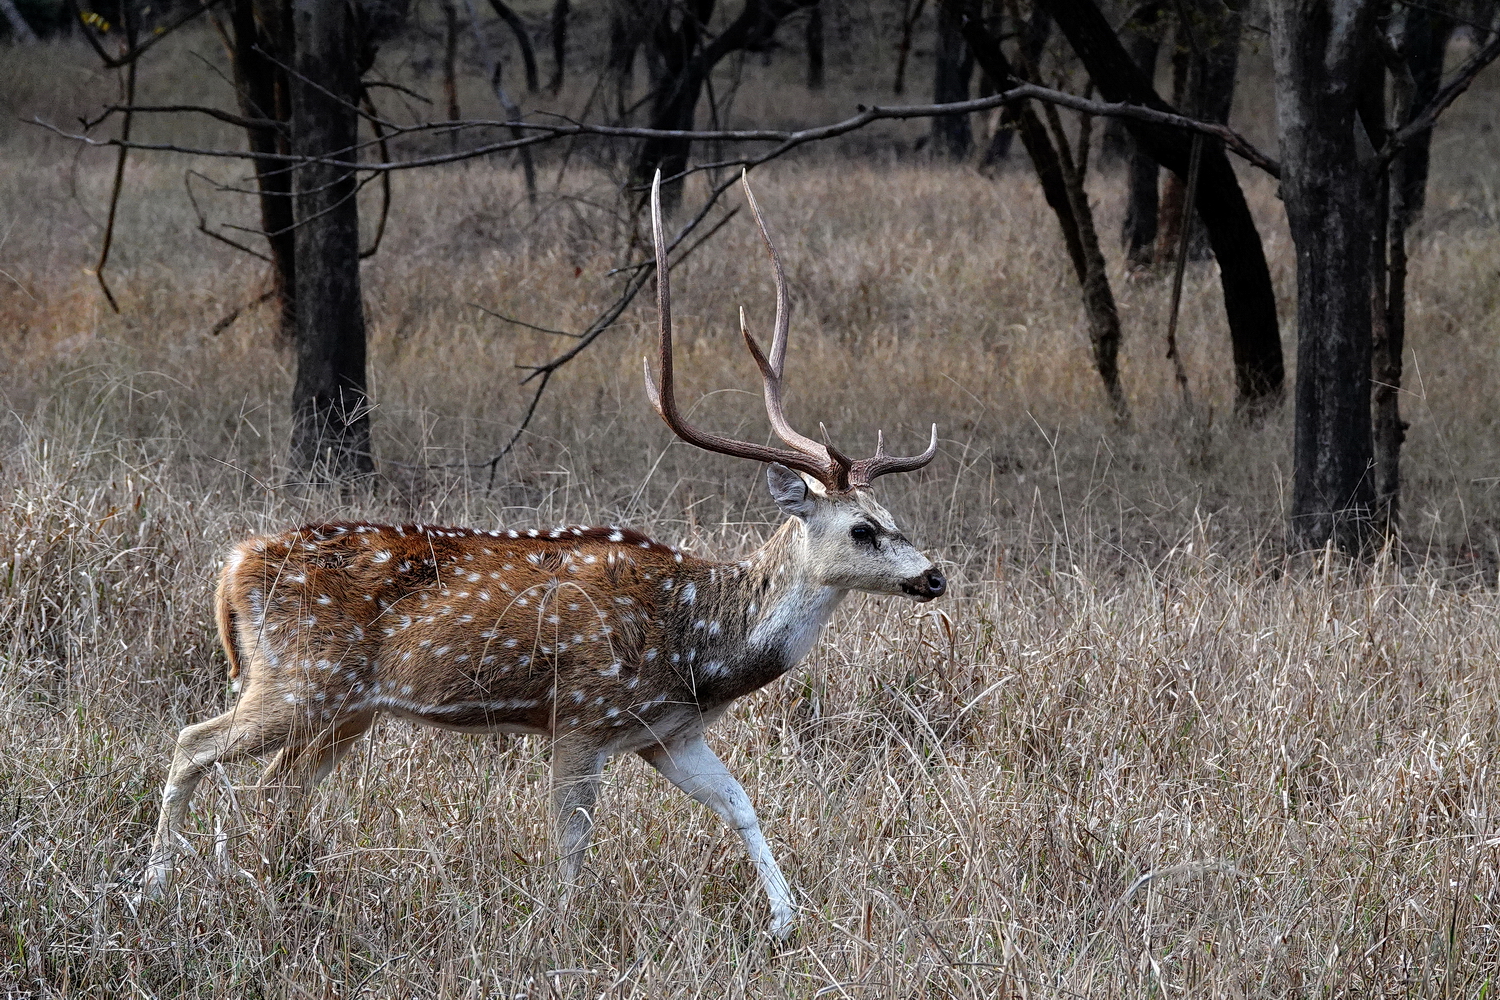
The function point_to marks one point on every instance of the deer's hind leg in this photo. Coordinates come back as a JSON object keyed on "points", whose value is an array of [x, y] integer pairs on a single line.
{"points": [[253, 726], [299, 767]]}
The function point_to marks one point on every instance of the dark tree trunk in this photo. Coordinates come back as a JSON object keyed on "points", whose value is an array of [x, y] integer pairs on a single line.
{"points": [[1142, 36], [1424, 41], [523, 41], [909, 15], [1034, 34], [675, 100], [1421, 39], [953, 65], [814, 40], [330, 420], [1249, 300], [1140, 33], [620, 62], [1319, 56], [262, 88], [1204, 64], [450, 66], [1061, 178], [685, 64], [559, 44]]}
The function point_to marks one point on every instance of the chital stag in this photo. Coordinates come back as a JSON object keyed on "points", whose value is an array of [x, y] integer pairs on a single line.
{"points": [[601, 638]]}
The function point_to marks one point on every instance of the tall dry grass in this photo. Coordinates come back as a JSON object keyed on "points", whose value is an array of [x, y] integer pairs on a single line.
{"points": [[1135, 751]]}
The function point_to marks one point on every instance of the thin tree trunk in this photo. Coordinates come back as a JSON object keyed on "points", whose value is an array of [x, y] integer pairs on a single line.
{"points": [[18, 27], [261, 87], [1319, 55], [1205, 64], [621, 60], [1421, 41], [523, 40], [1140, 33], [560, 11], [1034, 34], [1062, 185], [909, 17], [952, 136], [330, 419], [1138, 234], [1249, 299], [450, 66], [814, 39], [686, 62]]}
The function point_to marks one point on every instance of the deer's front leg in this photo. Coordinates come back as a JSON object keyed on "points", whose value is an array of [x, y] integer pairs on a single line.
{"points": [[698, 771]]}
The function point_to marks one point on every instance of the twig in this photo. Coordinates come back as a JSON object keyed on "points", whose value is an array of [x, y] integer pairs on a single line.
{"points": [[114, 194], [1429, 115], [200, 109], [1232, 140], [606, 319], [227, 321], [385, 181], [529, 326], [696, 244], [133, 52], [1189, 214], [187, 183], [399, 89]]}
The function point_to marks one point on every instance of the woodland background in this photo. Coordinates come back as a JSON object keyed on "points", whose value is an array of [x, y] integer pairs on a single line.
{"points": [[1143, 746]]}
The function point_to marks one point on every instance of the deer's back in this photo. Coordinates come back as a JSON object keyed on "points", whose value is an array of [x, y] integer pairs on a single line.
{"points": [[533, 631]]}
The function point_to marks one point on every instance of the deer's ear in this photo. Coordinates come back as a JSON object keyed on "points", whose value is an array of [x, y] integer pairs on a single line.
{"points": [[789, 491]]}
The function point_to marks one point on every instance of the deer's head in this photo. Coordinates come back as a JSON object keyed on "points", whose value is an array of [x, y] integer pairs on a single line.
{"points": [[853, 542]]}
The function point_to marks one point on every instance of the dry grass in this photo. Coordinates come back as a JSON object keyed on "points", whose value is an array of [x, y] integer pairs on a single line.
{"points": [[1136, 751]]}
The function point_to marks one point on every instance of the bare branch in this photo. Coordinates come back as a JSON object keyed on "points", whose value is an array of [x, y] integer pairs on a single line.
{"points": [[223, 116], [133, 52], [1232, 140], [385, 180], [529, 326], [1428, 116], [119, 181]]}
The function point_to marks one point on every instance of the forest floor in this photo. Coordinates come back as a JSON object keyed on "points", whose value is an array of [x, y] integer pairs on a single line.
{"points": [[1135, 750]]}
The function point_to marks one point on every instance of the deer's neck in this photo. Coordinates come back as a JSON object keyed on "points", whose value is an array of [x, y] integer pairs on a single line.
{"points": [[776, 606]]}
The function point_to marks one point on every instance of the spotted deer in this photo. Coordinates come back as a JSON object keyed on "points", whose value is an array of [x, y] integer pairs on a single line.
{"points": [[598, 637]]}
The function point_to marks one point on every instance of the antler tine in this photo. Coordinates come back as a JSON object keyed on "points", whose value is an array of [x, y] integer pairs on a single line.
{"points": [[783, 310], [882, 464], [665, 401], [771, 369]]}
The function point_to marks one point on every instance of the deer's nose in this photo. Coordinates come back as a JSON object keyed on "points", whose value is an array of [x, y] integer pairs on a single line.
{"points": [[936, 583], [926, 586]]}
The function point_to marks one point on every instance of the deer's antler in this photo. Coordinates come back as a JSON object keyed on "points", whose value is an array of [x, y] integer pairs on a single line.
{"points": [[823, 462]]}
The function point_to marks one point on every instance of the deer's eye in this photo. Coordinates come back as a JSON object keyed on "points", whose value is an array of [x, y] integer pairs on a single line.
{"points": [[862, 533]]}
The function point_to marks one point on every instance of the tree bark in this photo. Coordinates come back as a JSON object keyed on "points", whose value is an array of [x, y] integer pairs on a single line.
{"points": [[910, 13], [953, 65], [560, 11], [1204, 65], [1249, 300], [1034, 34], [1420, 40], [813, 37], [686, 62], [1319, 54], [262, 90], [450, 66], [1142, 33], [330, 419], [1062, 186], [523, 41], [620, 63], [18, 27]]}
